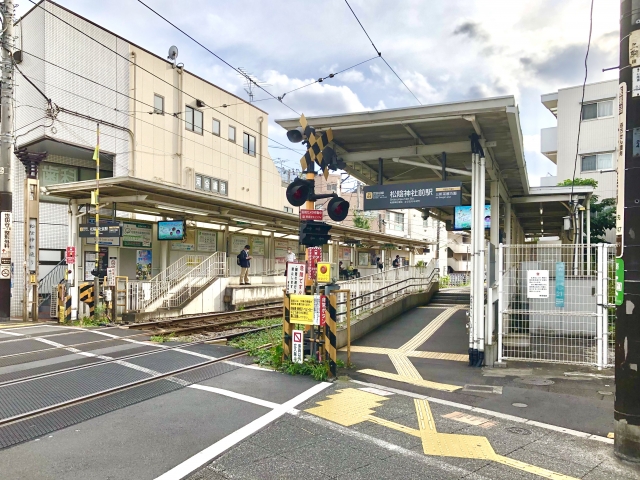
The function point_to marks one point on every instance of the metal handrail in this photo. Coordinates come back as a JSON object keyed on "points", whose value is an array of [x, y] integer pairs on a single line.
{"points": [[208, 270], [54, 277]]}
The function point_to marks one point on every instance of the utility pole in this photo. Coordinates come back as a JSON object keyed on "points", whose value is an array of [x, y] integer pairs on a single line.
{"points": [[6, 147], [627, 327]]}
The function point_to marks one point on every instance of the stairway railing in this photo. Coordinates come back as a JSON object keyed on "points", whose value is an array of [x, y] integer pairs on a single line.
{"points": [[211, 268], [51, 279]]}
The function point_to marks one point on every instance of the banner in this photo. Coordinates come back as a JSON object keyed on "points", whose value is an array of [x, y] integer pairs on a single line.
{"points": [[143, 264], [560, 284], [413, 195]]}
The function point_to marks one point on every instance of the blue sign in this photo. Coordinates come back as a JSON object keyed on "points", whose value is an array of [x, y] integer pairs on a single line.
{"points": [[560, 284]]}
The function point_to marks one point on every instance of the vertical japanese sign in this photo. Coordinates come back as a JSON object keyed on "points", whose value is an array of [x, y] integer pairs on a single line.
{"points": [[319, 310], [5, 250], [314, 255], [622, 132], [619, 281], [538, 284], [560, 284], [33, 237], [70, 255], [295, 278], [111, 277], [297, 344]]}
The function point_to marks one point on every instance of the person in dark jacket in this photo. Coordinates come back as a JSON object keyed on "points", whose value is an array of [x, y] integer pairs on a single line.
{"points": [[245, 264]]}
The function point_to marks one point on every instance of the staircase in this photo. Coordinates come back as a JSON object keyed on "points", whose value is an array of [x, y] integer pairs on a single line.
{"points": [[173, 288], [47, 287], [452, 297]]}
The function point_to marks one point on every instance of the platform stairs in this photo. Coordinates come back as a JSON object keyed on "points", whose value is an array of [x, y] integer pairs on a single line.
{"points": [[48, 289], [177, 285], [452, 296]]}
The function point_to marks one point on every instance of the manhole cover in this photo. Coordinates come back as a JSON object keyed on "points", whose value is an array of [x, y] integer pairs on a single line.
{"points": [[535, 381], [602, 392], [518, 431], [520, 405]]}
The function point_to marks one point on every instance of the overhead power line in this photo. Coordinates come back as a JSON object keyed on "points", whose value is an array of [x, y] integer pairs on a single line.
{"points": [[380, 53], [584, 86], [40, 5], [239, 71]]}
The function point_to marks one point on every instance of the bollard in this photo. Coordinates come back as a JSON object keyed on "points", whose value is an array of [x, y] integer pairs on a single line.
{"points": [[330, 333], [286, 329]]}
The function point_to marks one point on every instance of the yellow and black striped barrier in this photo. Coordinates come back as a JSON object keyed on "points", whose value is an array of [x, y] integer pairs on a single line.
{"points": [[330, 333], [86, 296], [67, 307]]}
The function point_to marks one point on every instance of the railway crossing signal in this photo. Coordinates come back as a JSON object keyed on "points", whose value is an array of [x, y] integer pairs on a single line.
{"points": [[299, 191], [338, 209], [314, 234]]}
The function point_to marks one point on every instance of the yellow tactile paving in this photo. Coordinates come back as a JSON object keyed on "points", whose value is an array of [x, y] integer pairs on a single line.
{"points": [[428, 331], [351, 406], [14, 325], [413, 381], [456, 357]]}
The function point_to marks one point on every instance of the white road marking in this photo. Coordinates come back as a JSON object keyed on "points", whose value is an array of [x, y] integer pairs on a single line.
{"points": [[209, 453], [15, 334], [503, 416], [237, 396]]}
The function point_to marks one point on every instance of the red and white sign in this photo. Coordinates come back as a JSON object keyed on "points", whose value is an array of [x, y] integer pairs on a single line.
{"points": [[295, 278], [311, 215], [297, 347], [314, 255], [71, 255]]}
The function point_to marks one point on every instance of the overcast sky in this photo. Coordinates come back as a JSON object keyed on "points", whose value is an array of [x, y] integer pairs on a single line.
{"points": [[444, 50]]}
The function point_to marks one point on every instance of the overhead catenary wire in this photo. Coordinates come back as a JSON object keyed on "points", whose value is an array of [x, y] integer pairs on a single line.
{"points": [[380, 53], [249, 79], [39, 5], [584, 86]]}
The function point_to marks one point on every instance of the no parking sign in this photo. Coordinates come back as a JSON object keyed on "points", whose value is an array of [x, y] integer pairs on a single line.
{"points": [[296, 353]]}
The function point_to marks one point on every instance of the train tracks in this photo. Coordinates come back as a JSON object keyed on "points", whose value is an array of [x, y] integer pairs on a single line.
{"points": [[207, 322]]}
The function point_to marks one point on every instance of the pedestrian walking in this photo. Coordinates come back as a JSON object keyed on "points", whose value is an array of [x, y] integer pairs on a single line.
{"points": [[244, 260]]}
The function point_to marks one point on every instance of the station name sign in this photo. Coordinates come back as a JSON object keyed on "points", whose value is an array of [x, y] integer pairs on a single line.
{"points": [[413, 195], [107, 229]]}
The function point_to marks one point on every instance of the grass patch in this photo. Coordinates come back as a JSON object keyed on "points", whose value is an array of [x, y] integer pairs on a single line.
{"points": [[163, 338], [265, 322], [272, 356], [87, 322]]}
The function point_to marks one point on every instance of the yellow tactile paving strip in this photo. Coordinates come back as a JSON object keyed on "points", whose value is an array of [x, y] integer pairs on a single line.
{"points": [[24, 324], [407, 372], [351, 406]]}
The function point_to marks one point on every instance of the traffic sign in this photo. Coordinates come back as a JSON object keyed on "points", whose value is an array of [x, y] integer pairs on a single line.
{"points": [[297, 354], [301, 309], [311, 215], [313, 234], [111, 277], [295, 278], [314, 255]]}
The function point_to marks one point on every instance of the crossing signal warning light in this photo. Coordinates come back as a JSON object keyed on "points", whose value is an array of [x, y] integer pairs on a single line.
{"points": [[298, 192], [338, 209], [314, 234]]}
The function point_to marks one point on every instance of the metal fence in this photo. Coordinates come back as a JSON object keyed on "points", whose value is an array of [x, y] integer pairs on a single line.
{"points": [[555, 303], [373, 291], [455, 280]]}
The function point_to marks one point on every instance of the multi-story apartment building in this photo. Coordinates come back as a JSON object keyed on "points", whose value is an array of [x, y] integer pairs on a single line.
{"points": [[157, 122], [598, 128]]}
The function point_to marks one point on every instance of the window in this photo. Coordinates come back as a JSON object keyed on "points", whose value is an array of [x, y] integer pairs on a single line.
{"points": [[395, 221], [215, 128], [193, 120], [248, 144], [288, 209], [594, 110], [332, 187], [232, 134], [601, 161], [158, 104], [208, 184]]}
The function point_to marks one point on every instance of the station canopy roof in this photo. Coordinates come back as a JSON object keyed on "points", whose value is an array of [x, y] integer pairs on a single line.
{"points": [[409, 144], [146, 197]]}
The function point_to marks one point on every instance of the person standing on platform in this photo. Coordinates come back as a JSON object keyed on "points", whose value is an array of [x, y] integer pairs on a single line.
{"points": [[244, 260], [291, 257], [396, 264], [379, 264]]}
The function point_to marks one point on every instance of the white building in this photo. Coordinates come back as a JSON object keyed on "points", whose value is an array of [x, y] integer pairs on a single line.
{"points": [[598, 130]]}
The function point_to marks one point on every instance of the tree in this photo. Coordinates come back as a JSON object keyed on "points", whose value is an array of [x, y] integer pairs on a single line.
{"points": [[361, 221], [603, 214]]}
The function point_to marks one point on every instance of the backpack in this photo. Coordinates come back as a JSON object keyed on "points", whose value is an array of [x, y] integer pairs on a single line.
{"points": [[238, 260], [395, 263]]}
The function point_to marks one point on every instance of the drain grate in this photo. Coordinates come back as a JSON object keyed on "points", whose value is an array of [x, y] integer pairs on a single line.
{"points": [[483, 389], [535, 381]]}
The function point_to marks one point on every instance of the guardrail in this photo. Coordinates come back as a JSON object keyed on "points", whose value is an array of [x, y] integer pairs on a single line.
{"points": [[374, 290], [213, 267]]}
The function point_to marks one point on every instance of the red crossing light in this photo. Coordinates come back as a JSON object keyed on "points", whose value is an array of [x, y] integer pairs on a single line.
{"points": [[338, 209]]}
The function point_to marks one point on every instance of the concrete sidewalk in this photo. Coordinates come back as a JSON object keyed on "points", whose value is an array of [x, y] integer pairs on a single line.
{"points": [[358, 432]]}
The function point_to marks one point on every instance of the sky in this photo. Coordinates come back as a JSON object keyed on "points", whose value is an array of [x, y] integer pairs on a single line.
{"points": [[444, 50]]}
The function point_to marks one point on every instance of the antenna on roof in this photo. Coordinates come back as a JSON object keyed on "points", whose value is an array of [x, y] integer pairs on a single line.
{"points": [[173, 54], [250, 81]]}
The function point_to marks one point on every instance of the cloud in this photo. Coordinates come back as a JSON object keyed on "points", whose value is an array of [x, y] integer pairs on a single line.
{"points": [[352, 76], [472, 30]]}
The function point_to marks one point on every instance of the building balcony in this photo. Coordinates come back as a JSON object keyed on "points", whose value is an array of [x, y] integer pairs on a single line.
{"points": [[549, 143]]}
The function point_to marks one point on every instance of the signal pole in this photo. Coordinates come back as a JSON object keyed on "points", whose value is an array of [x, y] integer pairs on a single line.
{"points": [[627, 327], [6, 144]]}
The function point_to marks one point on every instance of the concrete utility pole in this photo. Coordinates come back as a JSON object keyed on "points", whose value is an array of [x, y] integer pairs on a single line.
{"points": [[6, 145], [627, 333]]}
